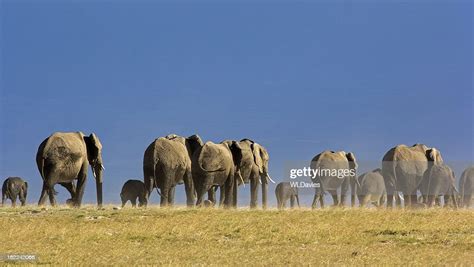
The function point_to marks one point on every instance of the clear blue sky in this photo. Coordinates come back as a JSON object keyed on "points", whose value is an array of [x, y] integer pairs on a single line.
{"points": [[297, 78]]}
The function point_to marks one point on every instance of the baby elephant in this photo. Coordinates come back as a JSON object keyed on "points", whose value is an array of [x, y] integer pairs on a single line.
{"points": [[12, 188], [131, 190], [372, 188], [437, 181], [285, 191]]}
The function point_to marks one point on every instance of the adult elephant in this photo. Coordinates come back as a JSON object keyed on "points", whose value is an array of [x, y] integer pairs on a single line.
{"points": [[254, 170], [334, 170], [466, 187], [166, 163], [63, 158], [217, 165], [403, 168]]}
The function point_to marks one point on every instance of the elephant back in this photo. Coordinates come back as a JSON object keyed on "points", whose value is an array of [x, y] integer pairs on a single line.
{"points": [[66, 146], [411, 160], [212, 157], [330, 160], [170, 153]]}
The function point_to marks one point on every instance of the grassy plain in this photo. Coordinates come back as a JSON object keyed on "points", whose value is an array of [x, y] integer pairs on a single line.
{"points": [[183, 236]]}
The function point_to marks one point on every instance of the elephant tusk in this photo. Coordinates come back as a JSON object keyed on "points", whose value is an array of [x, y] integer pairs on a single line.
{"points": [[93, 173], [102, 167], [260, 180], [357, 182], [400, 195], [269, 178], [241, 179]]}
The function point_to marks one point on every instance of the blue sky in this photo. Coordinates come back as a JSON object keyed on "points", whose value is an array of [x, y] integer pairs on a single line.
{"points": [[297, 78]]}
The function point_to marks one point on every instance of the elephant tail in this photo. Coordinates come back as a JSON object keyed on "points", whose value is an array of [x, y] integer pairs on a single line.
{"points": [[42, 169]]}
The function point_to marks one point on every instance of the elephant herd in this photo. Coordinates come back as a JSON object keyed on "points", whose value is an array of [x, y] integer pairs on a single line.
{"points": [[204, 167]]}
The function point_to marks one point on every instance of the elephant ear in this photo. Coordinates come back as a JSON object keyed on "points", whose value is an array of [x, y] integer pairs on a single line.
{"points": [[433, 154], [171, 136], [236, 150], [210, 158], [95, 141], [257, 156], [352, 160]]}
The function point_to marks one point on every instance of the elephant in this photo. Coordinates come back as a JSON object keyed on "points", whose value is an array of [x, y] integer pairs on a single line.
{"points": [[334, 170], [12, 188], [254, 169], [285, 191], [217, 165], [466, 187], [403, 168], [438, 180], [372, 188], [63, 158], [166, 163], [131, 190]]}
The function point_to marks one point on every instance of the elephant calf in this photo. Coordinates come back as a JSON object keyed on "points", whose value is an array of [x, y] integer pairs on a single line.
{"points": [[285, 191], [131, 190], [437, 181], [372, 188], [12, 188]]}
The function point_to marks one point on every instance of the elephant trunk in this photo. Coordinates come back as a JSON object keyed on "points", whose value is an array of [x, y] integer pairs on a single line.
{"points": [[99, 193], [97, 171]]}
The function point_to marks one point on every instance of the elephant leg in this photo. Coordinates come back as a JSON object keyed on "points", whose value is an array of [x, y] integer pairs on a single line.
{"points": [[446, 199], [4, 198], [254, 191], [134, 202], [278, 201], [71, 188], [229, 187], [334, 196], [353, 190], [164, 196], [431, 200], [123, 202], [292, 202], [321, 200], [171, 196], [264, 192], [455, 201], [365, 200], [235, 190], [44, 193], [189, 188], [211, 194], [51, 194], [22, 197], [344, 190], [81, 185], [315, 201], [407, 201], [13, 201], [221, 195], [413, 199], [390, 189]]}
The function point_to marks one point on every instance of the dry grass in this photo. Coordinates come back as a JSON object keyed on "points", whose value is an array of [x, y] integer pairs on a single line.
{"points": [[234, 237]]}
